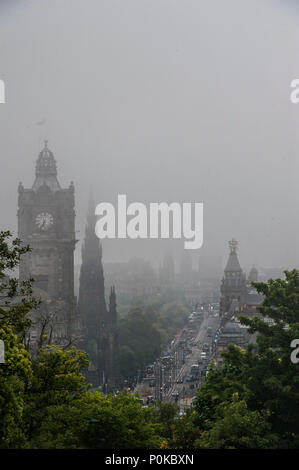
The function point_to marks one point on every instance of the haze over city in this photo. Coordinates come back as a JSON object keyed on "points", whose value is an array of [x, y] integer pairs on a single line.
{"points": [[162, 101]]}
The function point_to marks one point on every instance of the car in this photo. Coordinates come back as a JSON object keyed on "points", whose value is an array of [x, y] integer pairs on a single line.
{"points": [[190, 378], [149, 400], [180, 380], [194, 369]]}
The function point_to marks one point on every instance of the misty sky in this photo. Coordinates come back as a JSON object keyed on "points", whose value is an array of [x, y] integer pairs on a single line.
{"points": [[162, 100]]}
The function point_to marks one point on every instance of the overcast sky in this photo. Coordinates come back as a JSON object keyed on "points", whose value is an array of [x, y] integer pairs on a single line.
{"points": [[162, 100]]}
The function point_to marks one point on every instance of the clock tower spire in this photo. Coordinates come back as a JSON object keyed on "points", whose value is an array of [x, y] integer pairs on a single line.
{"points": [[46, 170], [46, 221]]}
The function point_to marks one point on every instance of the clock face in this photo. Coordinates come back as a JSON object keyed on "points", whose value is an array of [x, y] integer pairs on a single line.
{"points": [[44, 220]]}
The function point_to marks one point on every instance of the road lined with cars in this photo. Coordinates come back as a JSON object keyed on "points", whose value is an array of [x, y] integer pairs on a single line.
{"points": [[183, 366]]}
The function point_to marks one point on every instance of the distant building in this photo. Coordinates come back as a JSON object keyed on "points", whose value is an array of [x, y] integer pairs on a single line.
{"points": [[135, 279], [188, 279], [253, 275], [167, 271], [233, 287], [238, 297]]}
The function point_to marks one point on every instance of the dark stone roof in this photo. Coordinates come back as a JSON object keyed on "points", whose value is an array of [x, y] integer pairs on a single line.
{"points": [[233, 263], [232, 328]]}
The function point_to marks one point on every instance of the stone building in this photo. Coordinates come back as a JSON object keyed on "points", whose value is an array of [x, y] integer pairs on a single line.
{"points": [[231, 333], [46, 222], [233, 287], [100, 323], [238, 298]]}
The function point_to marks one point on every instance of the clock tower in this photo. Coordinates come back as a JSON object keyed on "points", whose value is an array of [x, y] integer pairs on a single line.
{"points": [[46, 221]]}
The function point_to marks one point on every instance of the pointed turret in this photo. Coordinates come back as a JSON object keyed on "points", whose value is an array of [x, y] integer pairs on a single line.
{"points": [[233, 287], [46, 170], [233, 264]]}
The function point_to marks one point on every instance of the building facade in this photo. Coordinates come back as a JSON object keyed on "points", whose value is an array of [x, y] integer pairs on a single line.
{"points": [[238, 298], [46, 222], [233, 287]]}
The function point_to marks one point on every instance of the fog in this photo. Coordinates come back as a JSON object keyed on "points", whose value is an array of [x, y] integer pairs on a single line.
{"points": [[161, 100]]}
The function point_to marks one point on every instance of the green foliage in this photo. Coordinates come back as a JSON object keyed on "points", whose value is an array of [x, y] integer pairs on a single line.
{"points": [[44, 400], [185, 431], [57, 380], [14, 314], [98, 421], [266, 383], [251, 401], [13, 373], [138, 340], [173, 317], [144, 332], [238, 428], [165, 414]]}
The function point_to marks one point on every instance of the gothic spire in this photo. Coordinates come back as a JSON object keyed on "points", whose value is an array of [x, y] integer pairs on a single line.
{"points": [[112, 306], [92, 247], [92, 303]]}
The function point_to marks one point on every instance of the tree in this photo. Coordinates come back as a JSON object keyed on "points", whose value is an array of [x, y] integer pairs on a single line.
{"points": [[238, 428], [98, 421], [137, 335], [44, 399], [16, 299], [266, 382], [275, 382], [13, 373], [185, 431], [165, 414], [57, 381], [15, 303]]}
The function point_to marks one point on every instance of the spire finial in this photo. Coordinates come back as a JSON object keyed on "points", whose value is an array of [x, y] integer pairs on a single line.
{"points": [[233, 245], [46, 143]]}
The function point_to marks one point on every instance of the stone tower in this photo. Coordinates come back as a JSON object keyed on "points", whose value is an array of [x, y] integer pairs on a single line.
{"points": [[253, 275], [100, 324], [92, 304], [233, 287], [46, 222]]}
